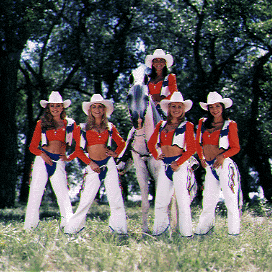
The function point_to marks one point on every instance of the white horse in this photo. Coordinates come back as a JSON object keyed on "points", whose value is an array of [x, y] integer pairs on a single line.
{"points": [[141, 106]]}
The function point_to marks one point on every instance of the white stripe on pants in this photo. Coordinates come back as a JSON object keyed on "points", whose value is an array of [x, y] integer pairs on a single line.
{"points": [[211, 196], [117, 219], [165, 190], [59, 184]]}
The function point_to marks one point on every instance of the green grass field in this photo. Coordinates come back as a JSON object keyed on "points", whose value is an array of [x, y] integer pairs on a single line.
{"points": [[96, 249]]}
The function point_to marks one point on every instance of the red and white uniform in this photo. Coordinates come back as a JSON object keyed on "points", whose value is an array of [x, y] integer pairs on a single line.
{"points": [[183, 136], [226, 177], [40, 175], [165, 87], [92, 182]]}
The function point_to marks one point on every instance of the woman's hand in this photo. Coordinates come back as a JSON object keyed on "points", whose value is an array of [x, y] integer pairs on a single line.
{"points": [[46, 159], [95, 167], [161, 156], [203, 163], [111, 153], [219, 161], [64, 158], [174, 166]]}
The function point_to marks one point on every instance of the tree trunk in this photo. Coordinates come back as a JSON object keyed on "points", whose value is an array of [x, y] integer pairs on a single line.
{"points": [[9, 64]]}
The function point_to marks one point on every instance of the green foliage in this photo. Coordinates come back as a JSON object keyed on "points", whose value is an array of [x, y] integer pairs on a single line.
{"points": [[96, 249], [86, 47]]}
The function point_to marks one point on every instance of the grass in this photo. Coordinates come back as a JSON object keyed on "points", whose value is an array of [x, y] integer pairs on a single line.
{"points": [[96, 249]]}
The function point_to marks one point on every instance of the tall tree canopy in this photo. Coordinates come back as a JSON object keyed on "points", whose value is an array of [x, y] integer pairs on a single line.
{"points": [[84, 47]]}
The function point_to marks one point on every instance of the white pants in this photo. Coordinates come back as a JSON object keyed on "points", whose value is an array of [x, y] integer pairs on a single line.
{"points": [[229, 182], [59, 184], [165, 190], [117, 221]]}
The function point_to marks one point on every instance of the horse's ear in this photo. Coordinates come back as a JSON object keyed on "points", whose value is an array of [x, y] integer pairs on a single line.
{"points": [[131, 79], [145, 79]]}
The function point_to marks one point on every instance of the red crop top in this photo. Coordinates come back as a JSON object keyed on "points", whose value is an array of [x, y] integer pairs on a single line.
{"points": [[52, 135], [94, 138], [166, 137], [156, 88], [189, 142], [210, 138], [213, 139]]}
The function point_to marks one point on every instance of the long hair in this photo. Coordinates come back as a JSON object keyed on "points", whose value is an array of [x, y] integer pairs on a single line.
{"points": [[170, 117], [208, 123], [47, 119], [90, 122], [153, 73]]}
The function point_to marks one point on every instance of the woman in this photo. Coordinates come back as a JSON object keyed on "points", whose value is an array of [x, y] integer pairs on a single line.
{"points": [[54, 131], [95, 137], [217, 140], [161, 84], [175, 138]]}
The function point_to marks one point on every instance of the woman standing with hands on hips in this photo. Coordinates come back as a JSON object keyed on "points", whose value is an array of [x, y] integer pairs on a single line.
{"points": [[54, 131], [95, 137], [175, 138], [217, 140]]}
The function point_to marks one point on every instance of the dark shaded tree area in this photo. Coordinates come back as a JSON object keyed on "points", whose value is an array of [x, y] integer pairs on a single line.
{"points": [[84, 47]]}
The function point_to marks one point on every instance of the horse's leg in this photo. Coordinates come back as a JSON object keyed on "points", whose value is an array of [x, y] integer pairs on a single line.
{"points": [[142, 177], [173, 213]]}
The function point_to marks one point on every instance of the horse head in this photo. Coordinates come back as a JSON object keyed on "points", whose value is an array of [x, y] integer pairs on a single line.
{"points": [[138, 102]]}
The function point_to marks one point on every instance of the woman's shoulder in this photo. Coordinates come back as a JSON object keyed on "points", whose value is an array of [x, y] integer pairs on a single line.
{"points": [[171, 76]]}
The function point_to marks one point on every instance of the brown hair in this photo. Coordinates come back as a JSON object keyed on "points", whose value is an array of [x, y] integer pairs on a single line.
{"points": [[47, 119]]}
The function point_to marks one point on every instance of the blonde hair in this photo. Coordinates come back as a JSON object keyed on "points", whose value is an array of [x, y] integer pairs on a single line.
{"points": [[169, 116], [90, 122]]}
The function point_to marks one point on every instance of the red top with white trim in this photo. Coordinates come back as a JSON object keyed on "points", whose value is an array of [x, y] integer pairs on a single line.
{"points": [[189, 142], [156, 88], [52, 135], [213, 139], [94, 138]]}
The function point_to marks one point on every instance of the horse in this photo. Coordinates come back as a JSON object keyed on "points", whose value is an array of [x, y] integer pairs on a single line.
{"points": [[142, 107]]}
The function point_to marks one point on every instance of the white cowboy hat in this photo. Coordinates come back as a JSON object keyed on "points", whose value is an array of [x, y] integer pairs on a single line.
{"points": [[159, 54], [214, 97], [98, 99], [55, 97], [176, 97]]}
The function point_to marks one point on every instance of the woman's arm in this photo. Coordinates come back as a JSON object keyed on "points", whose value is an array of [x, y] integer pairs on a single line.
{"points": [[152, 143], [189, 142]]}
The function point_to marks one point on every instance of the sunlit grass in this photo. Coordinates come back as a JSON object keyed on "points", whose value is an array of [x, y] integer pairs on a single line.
{"points": [[97, 249]]}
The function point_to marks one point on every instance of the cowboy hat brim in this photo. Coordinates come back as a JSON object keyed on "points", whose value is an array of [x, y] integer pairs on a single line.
{"points": [[107, 103], [226, 101], [168, 58], [66, 103], [165, 103]]}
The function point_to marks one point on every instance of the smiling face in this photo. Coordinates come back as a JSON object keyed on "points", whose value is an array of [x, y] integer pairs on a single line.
{"points": [[158, 63], [97, 110], [56, 109], [176, 109], [216, 110]]}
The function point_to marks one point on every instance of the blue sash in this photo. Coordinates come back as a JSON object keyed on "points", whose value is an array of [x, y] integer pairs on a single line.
{"points": [[167, 166], [103, 168], [51, 168], [210, 163]]}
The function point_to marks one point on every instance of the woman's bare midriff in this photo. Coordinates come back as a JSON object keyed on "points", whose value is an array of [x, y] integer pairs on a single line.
{"points": [[211, 151], [55, 147], [97, 152], [171, 150]]}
